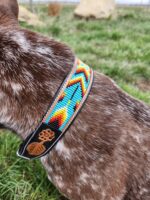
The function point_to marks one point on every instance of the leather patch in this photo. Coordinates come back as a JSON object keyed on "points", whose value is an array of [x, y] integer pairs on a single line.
{"points": [[37, 148]]}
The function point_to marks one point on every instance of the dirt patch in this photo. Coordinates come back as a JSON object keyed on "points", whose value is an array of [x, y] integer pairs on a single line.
{"points": [[143, 85]]}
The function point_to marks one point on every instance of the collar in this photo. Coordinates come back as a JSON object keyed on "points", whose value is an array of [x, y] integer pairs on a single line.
{"points": [[61, 114]]}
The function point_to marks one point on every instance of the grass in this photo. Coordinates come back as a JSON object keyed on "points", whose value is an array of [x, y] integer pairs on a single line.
{"points": [[119, 48]]}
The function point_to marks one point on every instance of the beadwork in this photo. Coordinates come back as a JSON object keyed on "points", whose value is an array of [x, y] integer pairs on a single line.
{"points": [[67, 104]]}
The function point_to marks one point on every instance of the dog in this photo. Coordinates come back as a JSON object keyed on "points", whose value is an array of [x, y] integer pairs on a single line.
{"points": [[105, 154]]}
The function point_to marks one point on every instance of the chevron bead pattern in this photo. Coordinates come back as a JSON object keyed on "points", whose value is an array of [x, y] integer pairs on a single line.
{"points": [[71, 97], [67, 104]]}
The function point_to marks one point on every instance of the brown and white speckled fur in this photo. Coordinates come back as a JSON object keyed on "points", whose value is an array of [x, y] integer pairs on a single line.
{"points": [[105, 155]]}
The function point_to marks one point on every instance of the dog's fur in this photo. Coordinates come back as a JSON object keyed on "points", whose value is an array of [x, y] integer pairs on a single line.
{"points": [[105, 155]]}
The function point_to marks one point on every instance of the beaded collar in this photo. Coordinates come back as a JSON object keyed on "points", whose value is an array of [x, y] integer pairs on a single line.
{"points": [[61, 114]]}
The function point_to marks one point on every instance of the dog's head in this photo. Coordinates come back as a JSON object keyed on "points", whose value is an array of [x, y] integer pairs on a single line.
{"points": [[32, 68]]}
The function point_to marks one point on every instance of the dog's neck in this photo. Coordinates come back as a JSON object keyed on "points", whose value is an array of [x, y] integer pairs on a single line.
{"points": [[32, 69], [9, 11], [7, 20]]}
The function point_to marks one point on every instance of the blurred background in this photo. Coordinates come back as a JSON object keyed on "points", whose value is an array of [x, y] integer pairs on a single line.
{"points": [[112, 37], [129, 2]]}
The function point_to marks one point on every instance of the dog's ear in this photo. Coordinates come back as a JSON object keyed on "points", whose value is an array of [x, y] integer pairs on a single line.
{"points": [[11, 6]]}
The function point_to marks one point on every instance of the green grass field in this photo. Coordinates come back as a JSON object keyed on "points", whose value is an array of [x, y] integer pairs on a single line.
{"points": [[119, 48]]}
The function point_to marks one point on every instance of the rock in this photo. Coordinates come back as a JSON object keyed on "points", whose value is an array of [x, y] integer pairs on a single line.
{"points": [[26, 16], [98, 9]]}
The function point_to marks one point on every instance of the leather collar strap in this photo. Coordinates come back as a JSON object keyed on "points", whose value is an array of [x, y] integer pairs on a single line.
{"points": [[67, 104]]}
